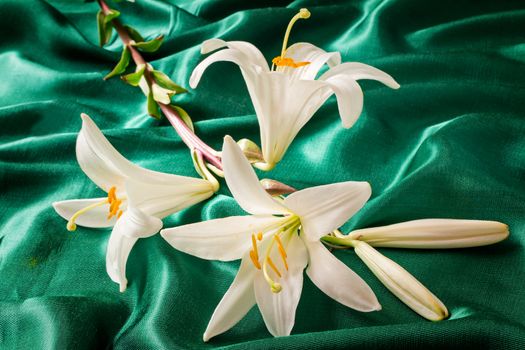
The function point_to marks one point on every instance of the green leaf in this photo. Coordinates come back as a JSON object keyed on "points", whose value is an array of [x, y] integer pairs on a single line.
{"points": [[164, 81], [150, 46], [153, 108], [134, 78], [134, 34], [104, 29], [121, 65], [111, 15], [184, 116]]}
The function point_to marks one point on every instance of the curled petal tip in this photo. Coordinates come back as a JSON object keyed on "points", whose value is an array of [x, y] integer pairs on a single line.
{"points": [[84, 117], [193, 81], [123, 286], [206, 337]]}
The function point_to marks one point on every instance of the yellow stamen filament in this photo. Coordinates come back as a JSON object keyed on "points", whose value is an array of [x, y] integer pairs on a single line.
{"points": [[282, 251], [285, 61], [274, 268], [71, 226], [274, 286]]}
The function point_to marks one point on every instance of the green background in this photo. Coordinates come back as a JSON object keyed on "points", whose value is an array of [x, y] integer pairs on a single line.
{"points": [[449, 144]]}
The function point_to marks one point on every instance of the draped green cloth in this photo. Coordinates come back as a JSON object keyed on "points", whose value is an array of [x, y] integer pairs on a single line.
{"points": [[449, 144]]}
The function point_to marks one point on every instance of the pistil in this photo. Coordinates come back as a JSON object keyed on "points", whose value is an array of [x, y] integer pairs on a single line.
{"points": [[286, 61]]}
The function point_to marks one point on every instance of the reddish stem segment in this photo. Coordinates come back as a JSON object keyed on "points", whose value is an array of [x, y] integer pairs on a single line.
{"points": [[185, 133]]}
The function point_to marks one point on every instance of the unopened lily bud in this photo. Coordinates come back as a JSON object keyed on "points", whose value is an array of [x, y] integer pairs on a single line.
{"points": [[276, 188], [434, 234], [401, 283], [251, 150]]}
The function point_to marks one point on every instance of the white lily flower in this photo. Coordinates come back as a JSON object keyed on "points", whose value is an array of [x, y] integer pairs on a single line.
{"points": [[434, 234], [137, 198], [286, 96], [276, 243]]}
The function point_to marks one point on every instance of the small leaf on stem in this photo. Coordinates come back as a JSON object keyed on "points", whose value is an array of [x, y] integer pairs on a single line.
{"points": [[111, 15], [164, 81], [151, 45], [121, 65], [134, 34], [104, 29], [153, 108], [184, 116], [133, 79]]}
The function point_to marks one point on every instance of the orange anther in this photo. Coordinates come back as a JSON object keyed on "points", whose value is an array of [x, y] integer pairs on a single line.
{"points": [[254, 245], [121, 212], [111, 194], [288, 62], [259, 236], [255, 260]]}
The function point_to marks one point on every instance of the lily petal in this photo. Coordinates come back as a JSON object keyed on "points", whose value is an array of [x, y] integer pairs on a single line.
{"points": [[235, 303], [96, 217], [338, 281], [434, 234], [349, 98], [133, 224], [283, 106], [251, 52], [402, 284], [98, 168], [306, 52], [248, 68], [325, 208], [358, 71], [244, 184], [104, 155], [161, 200], [278, 309], [220, 239]]}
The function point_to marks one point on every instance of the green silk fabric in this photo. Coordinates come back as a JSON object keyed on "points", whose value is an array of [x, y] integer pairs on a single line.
{"points": [[450, 143]]}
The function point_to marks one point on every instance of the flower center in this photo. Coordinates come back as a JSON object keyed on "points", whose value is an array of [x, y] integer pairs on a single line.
{"points": [[267, 263], [282, 61], [114, 208]]}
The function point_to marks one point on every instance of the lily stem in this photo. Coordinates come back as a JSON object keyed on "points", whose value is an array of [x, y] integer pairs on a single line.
{"points": [[185, 133]]}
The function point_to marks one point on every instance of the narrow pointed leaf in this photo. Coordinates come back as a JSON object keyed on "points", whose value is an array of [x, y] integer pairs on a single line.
{"points": [[133, 79], [134, 34], [111, 16], [150, 46], [184, 116], [121, 65], [164, 81], [153, 108], [104, 29]]}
